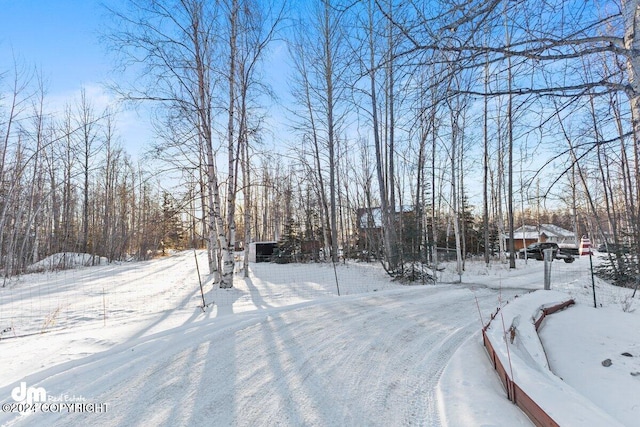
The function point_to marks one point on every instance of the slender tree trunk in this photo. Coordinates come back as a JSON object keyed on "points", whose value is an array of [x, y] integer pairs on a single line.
{"points": [[391, 174], [485, 168], [329, 81], [631, 16], [246, 182], [388, 228], [512, 250], [454, 191]]}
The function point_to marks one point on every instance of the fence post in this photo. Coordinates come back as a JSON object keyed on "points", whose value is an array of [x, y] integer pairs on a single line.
{"points": [[548, 258]]}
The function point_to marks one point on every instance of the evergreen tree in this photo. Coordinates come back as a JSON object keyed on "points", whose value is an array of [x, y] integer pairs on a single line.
{"points": [[173, 233], [290, 244], [472, 237]]}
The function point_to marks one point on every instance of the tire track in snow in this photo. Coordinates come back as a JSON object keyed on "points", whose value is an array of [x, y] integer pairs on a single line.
{"points": [[324, 369], [356, 360]]}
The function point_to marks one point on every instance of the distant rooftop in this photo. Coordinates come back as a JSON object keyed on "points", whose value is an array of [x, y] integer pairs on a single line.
{"points": [[532, 232]]}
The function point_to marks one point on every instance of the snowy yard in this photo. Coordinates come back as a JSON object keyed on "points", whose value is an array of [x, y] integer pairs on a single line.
{"points": [[282, 347]]}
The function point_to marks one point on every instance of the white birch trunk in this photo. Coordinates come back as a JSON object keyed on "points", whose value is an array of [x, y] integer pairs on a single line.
{"points": [[631, 14]]}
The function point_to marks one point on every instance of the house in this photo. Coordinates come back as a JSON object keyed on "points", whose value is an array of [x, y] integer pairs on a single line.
{"points": [[371, 218], [369, 221], [527, 234]]}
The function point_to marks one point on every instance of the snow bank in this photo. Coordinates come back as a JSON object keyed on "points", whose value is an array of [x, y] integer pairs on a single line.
{"points": [[65, 260], [526, 363], [590, 337]]}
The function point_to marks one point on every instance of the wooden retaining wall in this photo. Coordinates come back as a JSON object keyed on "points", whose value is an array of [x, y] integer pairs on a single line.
{"points": [[514, 393]]}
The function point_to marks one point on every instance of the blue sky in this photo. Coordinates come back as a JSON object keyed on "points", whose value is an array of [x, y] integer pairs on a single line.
{"points": [[60, 37]]}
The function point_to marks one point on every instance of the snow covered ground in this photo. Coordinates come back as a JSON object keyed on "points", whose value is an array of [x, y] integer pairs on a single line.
{"points": [[129, 344]]}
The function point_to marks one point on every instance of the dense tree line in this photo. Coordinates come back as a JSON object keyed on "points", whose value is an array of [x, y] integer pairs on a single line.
{"points": [[66, 184], [535, 101], [414, 125]]}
